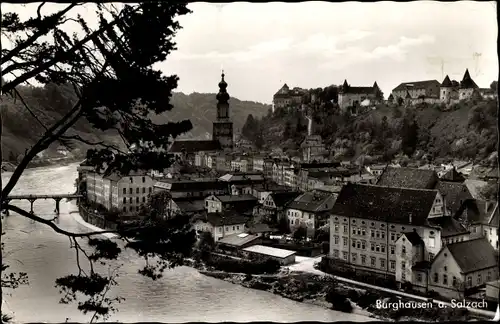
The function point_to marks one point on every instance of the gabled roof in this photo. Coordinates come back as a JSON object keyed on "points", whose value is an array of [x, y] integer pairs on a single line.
{"points": [[228, 217], [394, 205], [407, 178], [455, 193], [474, 185], [449, 226], [413, 238], [417, 85], [473, 255], [192, 146], [314, 201], [189, 205], [453, 175], [467, 82], [282, 198], [475, 211]]}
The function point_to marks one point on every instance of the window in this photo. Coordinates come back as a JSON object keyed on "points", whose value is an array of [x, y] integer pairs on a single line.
{"points": [[143, 179], [382, 234], [353, 230], [234, 227], [150, 189], [485, 233], [143, 189], [220, 229], [382, 248], [124, 200], [403, 276], [345, 255], [336, 238], [393, 264], [378, 234], [336, 227], [358, 244], [454, 281], [353, 243], [403, 265], [345, 241], [130, 200], [403, 250], [363, 245], [131, 180], [392, 249], [479, 279], [227, 228], [345, 229], [130, 191], [354, 256], [445, 268], [136, 199], [363, 232], [377, 248], [359, 231], [373, 233], [431, 256], [488, 278], [436, 277], [131, 208], [445, 279], [336, 253], [372, 259], [363, 259], [393, 237], [372, 246], [419, 277], [124, 191], [143, 199], [382, 263], [469, 281]]}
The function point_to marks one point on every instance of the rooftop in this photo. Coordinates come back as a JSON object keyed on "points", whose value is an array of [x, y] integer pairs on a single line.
{"points": [[235, 198], [315, 201], [282, 198], [413, 238], [417, 85], [473, 255], [449, 226], [408, 178], [266, 250], [395, 205], [237, 239]]}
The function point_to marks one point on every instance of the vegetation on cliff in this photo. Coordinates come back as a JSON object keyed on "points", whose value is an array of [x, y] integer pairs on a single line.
{"points": [[466, 130]]}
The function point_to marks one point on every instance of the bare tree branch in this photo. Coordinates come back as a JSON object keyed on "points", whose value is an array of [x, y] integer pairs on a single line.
{"points": [[82, 140]]}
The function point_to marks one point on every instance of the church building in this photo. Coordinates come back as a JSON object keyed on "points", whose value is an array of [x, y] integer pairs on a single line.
{"points": [[222, 134]]}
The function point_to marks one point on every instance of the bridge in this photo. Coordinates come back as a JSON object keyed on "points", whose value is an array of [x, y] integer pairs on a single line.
{"points": [[33, 198]]}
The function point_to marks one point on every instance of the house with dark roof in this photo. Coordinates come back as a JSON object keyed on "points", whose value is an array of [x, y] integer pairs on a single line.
{"points": [[194, 189], [233, 243], [462, 268], [274, 206], [454, 195], [241, 203], [452, 175], [286, 97], [416, 90], [262, 190], [467, 87], [481, 219], [310, 209], [350, 96], [367, 220], [220, 224], [408, 178]]}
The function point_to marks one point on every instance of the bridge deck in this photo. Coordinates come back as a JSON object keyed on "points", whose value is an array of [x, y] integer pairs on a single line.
{"points": [[55, 196]]}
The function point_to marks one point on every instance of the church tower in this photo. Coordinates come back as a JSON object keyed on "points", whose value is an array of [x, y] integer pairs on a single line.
{"points": [[223, 126]]}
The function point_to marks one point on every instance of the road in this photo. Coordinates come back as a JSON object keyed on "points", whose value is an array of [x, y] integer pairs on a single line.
{"points": [[305, 264]]}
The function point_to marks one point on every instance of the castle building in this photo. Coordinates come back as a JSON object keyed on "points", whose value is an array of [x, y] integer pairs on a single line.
{"points": [[467, 87], [448, 91], [222, 133], [286, 97], [417, 89], [353, 96]]}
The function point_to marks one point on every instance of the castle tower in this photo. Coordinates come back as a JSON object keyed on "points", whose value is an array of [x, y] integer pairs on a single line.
{"points": [[445, 90], [467, 86], [223, 126]]}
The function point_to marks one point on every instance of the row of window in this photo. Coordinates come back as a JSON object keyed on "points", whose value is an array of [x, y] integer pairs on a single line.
{"points": [[137, 190], [131, 208], [136, 200], [132, 179], [235, 228], [479, 279], [363, 260]]}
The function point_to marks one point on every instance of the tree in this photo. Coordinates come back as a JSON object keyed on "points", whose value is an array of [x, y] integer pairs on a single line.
{"points": [[300, 233], [494, 85], [110, 70], [409, 136], [287, 132], [249, 128], [489, 191]]}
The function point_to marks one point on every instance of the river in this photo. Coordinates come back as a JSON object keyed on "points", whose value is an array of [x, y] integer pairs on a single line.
{"points": [[182, 295]]}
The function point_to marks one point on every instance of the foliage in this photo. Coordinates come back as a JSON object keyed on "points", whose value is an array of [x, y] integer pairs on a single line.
{"points": [[283, 225], [339, 302], [244, 266], [489, 191], [101, 80], [300, 233]]}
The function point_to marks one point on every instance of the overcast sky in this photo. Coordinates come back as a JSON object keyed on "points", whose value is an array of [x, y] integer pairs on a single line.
{"points": [[316, 44]]}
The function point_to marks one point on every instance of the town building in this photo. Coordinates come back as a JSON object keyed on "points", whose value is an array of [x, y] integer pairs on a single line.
{"points": [[366, 222], [353, 96], [313, 149], [274, 206], [284, 257], [462, 268], [194, 189], [411, 92], [376, 169], [290, 177], [311, 210], [408, 178], [262, 190], [481, 219], [235, 243], [121, 193], [220, 224], [263, 165], [286, 97], [455, 194], [240, 203], [222, 134], [241, 164], [279, 167]]}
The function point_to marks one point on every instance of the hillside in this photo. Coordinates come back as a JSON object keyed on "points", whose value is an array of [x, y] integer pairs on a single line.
{"points": [[21, 130], [465, 131]]}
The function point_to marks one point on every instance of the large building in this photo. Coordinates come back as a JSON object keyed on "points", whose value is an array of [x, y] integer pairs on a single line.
{"points": [[353, 96], [222, 134], [417, 89], [286, 97]]}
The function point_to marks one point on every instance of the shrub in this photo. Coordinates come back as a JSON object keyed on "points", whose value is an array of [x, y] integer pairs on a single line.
{"points": [[338, 301], [353, 295], [367, 299]]}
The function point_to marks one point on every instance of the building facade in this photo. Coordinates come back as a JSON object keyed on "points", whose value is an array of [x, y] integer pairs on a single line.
{"points": [[353, 96]]}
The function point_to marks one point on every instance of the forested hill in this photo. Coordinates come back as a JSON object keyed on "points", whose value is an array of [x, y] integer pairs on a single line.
{"points": [[464, 131], [21, 130]]}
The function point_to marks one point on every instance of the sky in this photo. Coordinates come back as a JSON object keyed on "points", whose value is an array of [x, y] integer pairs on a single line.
{"points": [[261, 46]]}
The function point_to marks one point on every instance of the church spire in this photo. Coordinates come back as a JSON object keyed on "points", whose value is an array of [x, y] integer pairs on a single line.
{"points": [[222, 96]]}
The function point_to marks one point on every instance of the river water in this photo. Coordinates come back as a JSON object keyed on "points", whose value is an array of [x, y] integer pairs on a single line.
{"points": [[182, 295]]}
